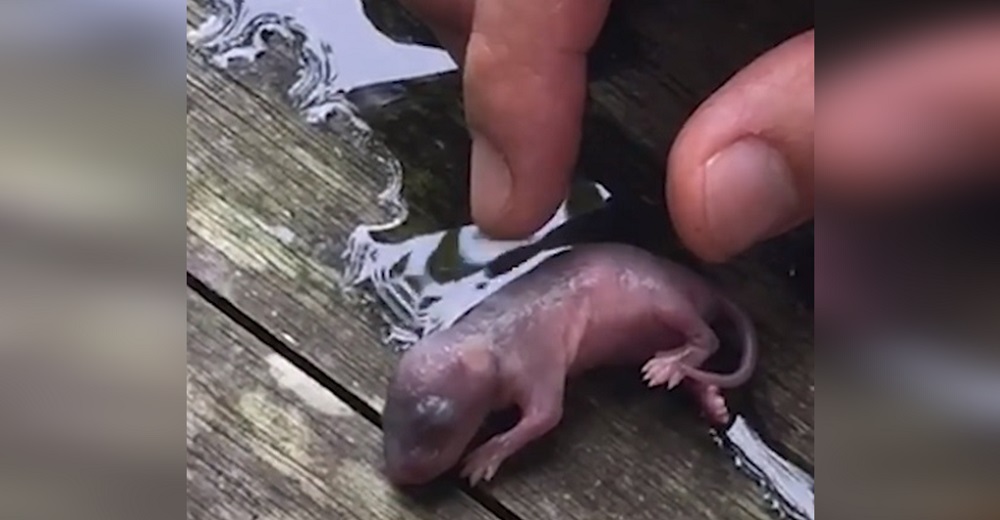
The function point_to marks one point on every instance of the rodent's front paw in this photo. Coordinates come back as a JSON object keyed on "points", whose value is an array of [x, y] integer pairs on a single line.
{"points": [[483, 462]]}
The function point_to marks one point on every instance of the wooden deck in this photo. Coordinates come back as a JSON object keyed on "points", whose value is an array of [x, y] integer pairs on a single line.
{"points": [[286, 375]]}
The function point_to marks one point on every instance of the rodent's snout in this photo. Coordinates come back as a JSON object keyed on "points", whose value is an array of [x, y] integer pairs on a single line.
{"points": [[410, 467], [421, 437], [432, 411]]}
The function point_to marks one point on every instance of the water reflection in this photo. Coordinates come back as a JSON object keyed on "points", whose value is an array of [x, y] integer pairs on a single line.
{"points": [[424, 282], [340, 48], [429, 281], [788, 490]]}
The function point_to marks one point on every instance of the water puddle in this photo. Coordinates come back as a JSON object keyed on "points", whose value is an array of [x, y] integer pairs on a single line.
{"points": [[339, 50], [425, 282], [429, 281], [788, 490]]}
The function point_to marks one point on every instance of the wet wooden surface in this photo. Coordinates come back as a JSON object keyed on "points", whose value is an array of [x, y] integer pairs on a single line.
{"points": [[271, 200], [267, 441]]}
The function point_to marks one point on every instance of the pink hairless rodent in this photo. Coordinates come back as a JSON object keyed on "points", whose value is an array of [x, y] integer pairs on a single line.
{"points": [[595, 305]]}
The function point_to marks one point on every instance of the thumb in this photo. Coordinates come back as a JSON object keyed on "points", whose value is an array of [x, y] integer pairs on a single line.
{"points": [[741, 169], [525, 88]]}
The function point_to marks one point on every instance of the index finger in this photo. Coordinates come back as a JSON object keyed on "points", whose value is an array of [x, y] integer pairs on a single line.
{"points": [[525, 87]]}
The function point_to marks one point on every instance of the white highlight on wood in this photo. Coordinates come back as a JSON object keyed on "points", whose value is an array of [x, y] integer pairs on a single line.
{"points": [[289, 377]]}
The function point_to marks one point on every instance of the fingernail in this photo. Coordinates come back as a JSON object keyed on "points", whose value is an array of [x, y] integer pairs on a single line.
{"points": [[749, 195], [490, 181]]}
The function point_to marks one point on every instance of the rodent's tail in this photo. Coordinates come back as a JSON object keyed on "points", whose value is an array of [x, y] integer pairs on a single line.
{"points": [[748, 337]]}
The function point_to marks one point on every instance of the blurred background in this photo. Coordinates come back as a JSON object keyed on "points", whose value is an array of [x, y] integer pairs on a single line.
{"points": [[92, 335], [91, 259]]}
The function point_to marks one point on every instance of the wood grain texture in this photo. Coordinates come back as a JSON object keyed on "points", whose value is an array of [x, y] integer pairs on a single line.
{"points": [[266, 441], [630, 456], [654, 62], [425, 132], [270, 201]]}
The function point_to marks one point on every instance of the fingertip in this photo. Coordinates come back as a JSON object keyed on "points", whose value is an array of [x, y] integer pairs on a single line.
{"points": [[505, 206], [740, 170], [525, 88], [742, 195]]}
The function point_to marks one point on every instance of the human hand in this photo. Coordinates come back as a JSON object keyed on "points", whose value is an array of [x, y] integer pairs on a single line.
{"points": [[742, 168]]}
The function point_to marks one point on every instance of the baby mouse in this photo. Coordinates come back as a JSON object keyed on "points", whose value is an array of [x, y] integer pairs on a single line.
{"points": [[594, 305]]}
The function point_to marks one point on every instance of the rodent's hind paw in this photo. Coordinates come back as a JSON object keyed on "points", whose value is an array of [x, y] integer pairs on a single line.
{"points": [[711, 401], [482, 464], [665, 367]]}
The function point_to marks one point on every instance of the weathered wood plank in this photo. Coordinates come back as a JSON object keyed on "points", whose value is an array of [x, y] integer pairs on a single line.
{"points": [[266, 441], [427, 136], [262, 214]]}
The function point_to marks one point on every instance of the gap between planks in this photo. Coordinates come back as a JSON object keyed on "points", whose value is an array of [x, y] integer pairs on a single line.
{"points": [[356, 403]]}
